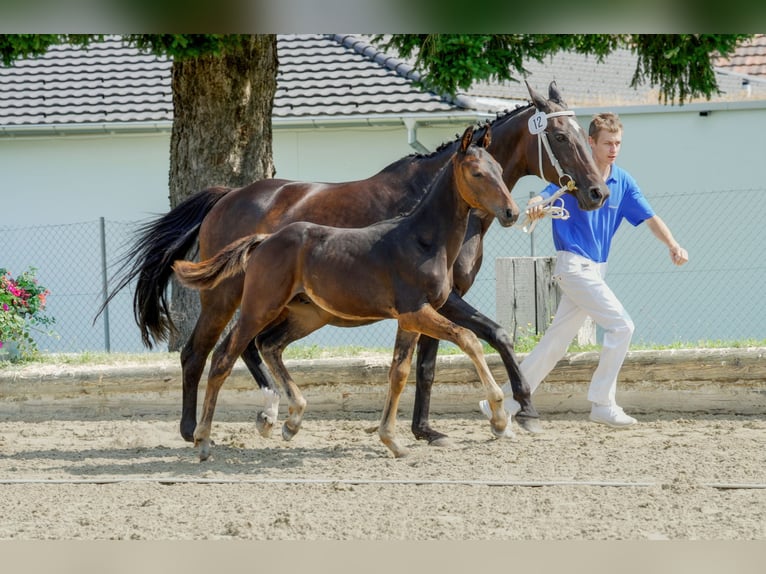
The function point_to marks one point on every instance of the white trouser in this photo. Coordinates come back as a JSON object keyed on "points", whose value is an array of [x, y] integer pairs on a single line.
{"points": [[583, 293]]}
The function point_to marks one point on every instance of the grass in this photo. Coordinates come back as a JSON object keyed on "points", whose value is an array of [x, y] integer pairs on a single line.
{"points": [[523, 345]]}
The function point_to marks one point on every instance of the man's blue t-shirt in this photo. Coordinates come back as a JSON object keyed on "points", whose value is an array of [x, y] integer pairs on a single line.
{"points": [[589, 233]]}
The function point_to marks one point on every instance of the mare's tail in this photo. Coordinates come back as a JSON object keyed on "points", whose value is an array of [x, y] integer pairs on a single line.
{"points": [[229, 261], [159, 243]]}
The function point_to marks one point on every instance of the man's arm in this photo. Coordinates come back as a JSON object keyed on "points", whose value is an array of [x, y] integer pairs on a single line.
{"points": [[678, 254]]}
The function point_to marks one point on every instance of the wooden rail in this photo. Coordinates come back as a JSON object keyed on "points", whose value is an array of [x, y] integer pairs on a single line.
{"points": [[708, 380]]}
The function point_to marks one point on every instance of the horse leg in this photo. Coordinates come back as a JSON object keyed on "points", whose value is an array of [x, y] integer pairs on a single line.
{"points": [[266, 418], [300, 320], [397, 379], [296, 404], [220, 367], [457, 310], [425, 369], [429, 322], [210, 324]]}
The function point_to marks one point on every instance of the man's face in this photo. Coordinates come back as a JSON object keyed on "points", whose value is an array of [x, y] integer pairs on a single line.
{"points": [[606, 146]]}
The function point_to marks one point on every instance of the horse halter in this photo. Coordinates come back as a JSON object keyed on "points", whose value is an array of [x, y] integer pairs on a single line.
{"points": [[557, 211], [542, 140]]}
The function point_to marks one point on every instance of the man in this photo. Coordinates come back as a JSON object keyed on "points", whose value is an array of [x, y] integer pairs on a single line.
{"points": [[582, 247]]}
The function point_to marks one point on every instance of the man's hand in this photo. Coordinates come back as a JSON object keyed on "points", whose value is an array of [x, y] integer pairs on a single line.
{"points": [[678, 255], [535, 211]]}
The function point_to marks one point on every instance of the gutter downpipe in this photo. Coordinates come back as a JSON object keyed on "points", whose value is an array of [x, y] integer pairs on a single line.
{"points": [[412, 136]]}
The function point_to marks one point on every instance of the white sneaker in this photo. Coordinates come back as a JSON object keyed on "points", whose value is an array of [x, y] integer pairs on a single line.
{"points": [[511, 407], [612, 416]]}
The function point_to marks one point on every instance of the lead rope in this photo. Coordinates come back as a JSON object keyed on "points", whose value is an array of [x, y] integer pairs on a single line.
{"points": [[554, 205]]}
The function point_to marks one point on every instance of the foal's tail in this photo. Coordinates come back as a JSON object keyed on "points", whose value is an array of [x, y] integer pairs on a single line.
{"points": [[229, 261], [160, 242]]}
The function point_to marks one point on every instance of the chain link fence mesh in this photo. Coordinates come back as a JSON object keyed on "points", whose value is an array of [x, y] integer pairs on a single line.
{"points": [[716, 296]]}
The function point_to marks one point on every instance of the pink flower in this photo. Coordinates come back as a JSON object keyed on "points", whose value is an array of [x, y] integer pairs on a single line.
{"points": [[5, 306]]}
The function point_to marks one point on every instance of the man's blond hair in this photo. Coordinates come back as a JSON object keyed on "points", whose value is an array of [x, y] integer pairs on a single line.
{"points": [[607, 121]]}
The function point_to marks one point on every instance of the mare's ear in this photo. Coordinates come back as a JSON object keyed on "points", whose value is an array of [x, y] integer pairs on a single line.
{"points": [[465, 141], [555, 96], [537, 99], [487, 139]]}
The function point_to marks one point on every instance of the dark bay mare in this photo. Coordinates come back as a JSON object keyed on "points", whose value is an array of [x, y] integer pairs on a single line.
{"points": [[218, 216], [398, 268]]}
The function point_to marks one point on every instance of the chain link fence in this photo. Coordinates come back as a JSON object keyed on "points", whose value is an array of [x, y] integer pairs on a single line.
{"points": [[714, 297]]}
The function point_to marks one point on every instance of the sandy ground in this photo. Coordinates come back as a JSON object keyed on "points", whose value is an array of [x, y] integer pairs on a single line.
{"points": [[673, 476]]}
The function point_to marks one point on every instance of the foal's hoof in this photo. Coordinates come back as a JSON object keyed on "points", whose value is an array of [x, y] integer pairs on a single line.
{"points": [[530, 424], [264, 425], [507, 432], [288, 433], [204, 450], [399, 451]]}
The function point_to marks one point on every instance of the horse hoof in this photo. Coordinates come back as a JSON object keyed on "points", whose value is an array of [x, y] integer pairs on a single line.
{"points": [[507, 432], [531, 425], [441, 441], [400, 452], [264, 426], [204, 450], [288, 433], [187, 432]]}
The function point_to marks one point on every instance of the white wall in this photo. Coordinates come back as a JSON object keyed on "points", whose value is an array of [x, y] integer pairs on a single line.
{"points": [[696, 171], [71, 178]]}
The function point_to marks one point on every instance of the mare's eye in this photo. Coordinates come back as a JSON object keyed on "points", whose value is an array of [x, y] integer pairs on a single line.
{"points": [[478, 174], [560, 138]]}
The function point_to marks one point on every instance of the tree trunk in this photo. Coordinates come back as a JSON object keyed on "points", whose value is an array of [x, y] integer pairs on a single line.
{"points": [[222, 108]]}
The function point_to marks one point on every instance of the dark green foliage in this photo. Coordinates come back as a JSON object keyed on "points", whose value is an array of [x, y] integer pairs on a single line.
{"points": [[178, 46], [679, 64]]}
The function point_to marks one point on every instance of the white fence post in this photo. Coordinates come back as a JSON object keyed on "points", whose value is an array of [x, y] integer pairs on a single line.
{"points": [[527, 297]]}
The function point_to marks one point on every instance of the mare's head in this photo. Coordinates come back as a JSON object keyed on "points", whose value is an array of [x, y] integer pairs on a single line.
{"points": [[566, 146], [479, 179]]}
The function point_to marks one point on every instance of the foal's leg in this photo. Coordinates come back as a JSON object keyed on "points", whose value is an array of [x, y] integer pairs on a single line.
{"points": [[397, 379], [273, 342], [459, 311], [266, 418], [220, 367], [429, 322]]}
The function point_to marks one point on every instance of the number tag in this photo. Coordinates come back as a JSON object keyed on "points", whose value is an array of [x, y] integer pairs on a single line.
{"points": [[538, 123]]}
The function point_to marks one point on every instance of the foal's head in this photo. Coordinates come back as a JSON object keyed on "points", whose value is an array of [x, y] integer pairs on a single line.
{"points": [[479, 179]]}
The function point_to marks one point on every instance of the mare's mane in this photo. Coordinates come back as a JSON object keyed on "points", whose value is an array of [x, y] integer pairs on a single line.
{"points": [[501, 117]]}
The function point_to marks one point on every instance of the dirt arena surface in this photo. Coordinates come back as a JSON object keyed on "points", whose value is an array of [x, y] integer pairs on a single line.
{"points": [[675, 476]]}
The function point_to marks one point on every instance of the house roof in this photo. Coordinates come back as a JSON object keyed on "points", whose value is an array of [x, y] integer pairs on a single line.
{"points": [[111, 83], [749, 58], [320, 78], [344, 75]]}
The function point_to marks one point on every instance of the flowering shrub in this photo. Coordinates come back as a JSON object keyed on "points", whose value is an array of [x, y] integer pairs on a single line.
{"points": [[22, 309]]}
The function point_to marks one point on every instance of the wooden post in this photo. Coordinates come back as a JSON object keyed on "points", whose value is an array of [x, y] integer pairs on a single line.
{"points": [[527, 297]]}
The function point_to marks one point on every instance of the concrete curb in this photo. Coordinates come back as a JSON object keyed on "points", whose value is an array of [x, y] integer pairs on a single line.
{"points": [[692, 380]]}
